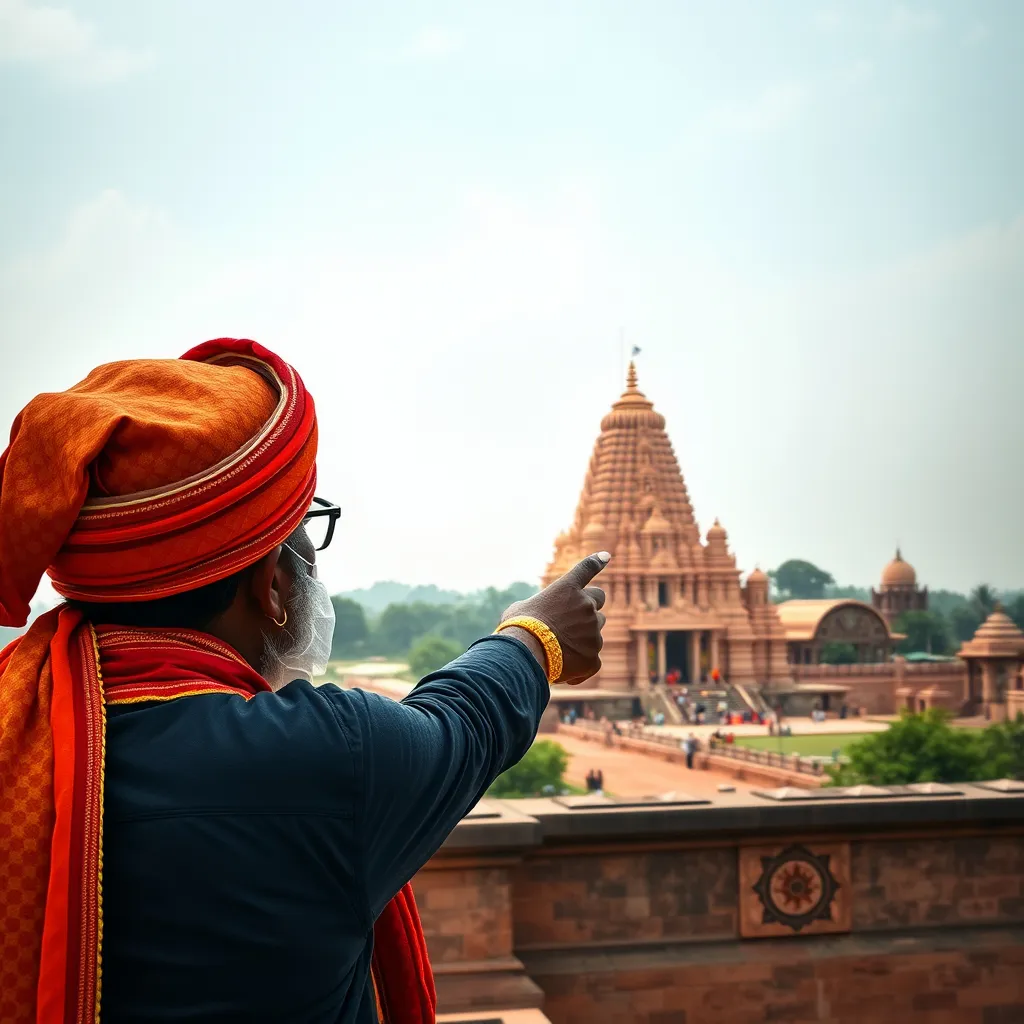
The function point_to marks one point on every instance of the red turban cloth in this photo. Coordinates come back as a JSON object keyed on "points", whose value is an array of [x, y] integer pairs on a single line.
{"points": [[149, 478], [153, 477]]}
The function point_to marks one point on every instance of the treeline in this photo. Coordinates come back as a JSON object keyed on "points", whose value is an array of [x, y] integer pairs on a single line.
{"points": [[951, 619], [928, 748], [398, 627]]}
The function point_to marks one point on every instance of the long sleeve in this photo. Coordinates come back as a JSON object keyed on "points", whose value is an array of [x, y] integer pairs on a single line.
{"points": [[426, 761]]}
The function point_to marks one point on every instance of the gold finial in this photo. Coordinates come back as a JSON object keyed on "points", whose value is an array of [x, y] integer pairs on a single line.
{"points": [[631, 377]]}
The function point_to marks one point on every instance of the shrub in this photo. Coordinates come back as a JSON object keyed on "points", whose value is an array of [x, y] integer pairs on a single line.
{"points": [[543, 765], [430, 653]]}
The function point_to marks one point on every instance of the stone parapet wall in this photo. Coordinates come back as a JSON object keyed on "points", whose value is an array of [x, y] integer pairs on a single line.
{"points": [[907, 908]]}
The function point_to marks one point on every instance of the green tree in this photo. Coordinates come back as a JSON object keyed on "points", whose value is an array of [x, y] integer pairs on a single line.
{"points": [[543, 765], [1015, 609], [925, 631], [1002, 750], [944, 601], [400, 624], [838, 654], [916, 748], [430, 653], [350, 629], [799, 579], [964, 620], [984, 598]]}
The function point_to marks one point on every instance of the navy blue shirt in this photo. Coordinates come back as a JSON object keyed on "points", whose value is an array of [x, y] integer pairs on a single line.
{"points": [[250, 845]]}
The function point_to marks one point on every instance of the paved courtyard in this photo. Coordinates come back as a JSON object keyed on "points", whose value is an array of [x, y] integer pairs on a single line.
{"points": [[627, 773]]}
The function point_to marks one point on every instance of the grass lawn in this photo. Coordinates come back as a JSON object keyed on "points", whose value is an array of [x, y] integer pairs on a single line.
{"points": [[811, 745]]}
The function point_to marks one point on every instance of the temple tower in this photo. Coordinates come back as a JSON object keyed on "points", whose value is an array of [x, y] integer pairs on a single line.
{"points": [[675, 604]]}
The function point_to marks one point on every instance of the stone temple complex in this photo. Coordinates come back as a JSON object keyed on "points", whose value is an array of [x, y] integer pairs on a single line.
{"points": [[678, 609]]}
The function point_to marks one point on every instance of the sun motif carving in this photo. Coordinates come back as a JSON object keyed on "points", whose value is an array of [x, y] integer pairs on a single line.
{"points": [[796, 888]]}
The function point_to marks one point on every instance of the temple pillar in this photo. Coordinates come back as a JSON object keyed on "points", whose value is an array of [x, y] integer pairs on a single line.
{"points": [[695, 656], [643, 680], [988, 685], [662, 666], [714, 650]]}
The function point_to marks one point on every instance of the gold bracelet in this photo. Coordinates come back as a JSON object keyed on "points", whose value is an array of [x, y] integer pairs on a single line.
{"points": [[545, 637]]}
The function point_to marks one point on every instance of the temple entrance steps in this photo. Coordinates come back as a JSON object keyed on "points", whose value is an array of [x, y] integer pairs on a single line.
{"points": [[656, 699], [747, 698]]}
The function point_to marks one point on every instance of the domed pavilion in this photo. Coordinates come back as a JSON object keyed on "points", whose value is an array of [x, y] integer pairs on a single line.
{"points": [[899, 592], [995, 660]]}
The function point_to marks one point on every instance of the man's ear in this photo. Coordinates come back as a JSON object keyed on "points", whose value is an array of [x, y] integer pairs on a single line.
{"points": [[270, 585]]}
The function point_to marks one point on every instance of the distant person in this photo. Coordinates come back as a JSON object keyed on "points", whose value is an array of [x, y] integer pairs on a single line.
{"points": [[690, 749], [599, 783]]}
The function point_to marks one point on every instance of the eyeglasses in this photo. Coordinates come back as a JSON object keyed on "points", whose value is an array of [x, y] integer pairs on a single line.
{"points": [[320, 521]]}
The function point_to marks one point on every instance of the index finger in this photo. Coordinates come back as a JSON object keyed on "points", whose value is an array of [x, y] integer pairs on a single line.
{"points": [[583, 572]]}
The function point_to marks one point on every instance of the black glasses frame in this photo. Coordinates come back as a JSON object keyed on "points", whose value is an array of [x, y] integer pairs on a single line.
{"points": [[322, 508]]}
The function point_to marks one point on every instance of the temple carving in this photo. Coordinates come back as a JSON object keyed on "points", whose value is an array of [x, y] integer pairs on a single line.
{"points": [[675, 603]]}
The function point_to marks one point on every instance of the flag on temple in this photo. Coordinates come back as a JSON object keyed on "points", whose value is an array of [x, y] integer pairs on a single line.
{"points": [[636, 352]]}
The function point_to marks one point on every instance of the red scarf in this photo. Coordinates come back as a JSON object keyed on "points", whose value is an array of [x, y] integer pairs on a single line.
{"points": [[91, 668]]}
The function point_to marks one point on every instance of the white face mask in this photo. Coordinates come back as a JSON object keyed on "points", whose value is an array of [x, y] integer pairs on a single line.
{"points": [[304, 647]]}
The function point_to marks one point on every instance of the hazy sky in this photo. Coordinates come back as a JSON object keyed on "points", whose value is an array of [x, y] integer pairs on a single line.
{"points": [[810, 216]]}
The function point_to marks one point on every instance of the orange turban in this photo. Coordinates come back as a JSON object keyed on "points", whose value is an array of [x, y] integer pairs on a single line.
{"points": [[153, 477], [149, 478]]}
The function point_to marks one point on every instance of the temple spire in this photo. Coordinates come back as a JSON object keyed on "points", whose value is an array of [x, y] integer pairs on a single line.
{"points": [[631, 384]]}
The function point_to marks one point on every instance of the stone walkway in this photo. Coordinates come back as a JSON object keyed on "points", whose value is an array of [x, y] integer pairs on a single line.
{"points": [[627, 773]]}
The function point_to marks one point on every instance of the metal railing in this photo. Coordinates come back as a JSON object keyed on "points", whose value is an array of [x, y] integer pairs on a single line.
{"points": [[771, 758]]}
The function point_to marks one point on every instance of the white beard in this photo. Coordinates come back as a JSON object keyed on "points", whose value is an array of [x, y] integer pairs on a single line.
{"points": [[303, 647]]}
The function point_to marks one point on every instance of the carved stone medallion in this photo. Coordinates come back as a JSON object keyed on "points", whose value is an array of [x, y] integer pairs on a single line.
{"points": [[794, 889]]}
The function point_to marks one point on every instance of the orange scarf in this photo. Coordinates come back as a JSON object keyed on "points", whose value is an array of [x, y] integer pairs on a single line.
{"points": [[56, 978]]}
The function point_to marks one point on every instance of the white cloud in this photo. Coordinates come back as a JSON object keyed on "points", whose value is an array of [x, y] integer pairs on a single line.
{"points": [[859, 72], [434, 43], [769, 111], [431, 44], [978, 34], [906, 22], [58, 41], [831, 19]]}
